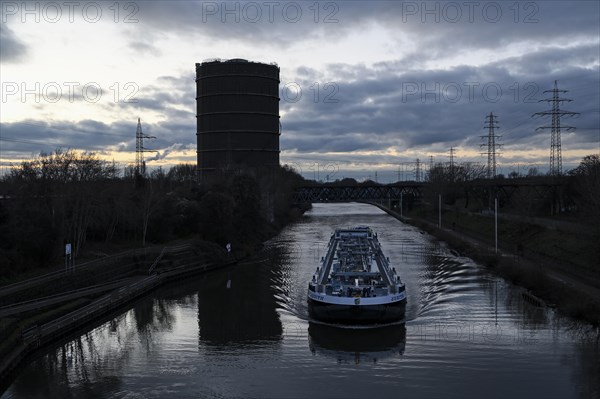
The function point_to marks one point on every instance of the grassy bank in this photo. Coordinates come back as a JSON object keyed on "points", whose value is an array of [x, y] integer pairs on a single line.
{"points": [[575, 253], [528, 268]]}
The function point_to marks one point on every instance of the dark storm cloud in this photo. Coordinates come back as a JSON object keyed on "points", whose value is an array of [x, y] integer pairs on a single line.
{"points": [[270, 23], [11, 48], [450, 27], [553, 60], [376, 106], [174, 99], [427, 110], [33, 136], [356, 108], [396, 103], [442, 28]]}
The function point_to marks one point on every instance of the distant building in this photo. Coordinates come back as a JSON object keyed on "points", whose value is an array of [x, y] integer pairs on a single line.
{"points": [[237, 116]]}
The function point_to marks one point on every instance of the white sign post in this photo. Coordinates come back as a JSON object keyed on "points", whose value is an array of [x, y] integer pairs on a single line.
{"points": [[68, 258]]}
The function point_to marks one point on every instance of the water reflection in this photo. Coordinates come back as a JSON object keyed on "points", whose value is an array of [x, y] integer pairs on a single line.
{"points": [[244, 332], [533, 316], [355, 345], [79, 368], [238, 306], [586, 371]]}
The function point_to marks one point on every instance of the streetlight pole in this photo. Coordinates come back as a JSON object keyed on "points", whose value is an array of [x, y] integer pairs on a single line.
{"points": [[401, 205], [440, 211], [496, 222]]}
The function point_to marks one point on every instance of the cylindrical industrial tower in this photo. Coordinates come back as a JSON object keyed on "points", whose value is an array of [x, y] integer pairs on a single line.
{"points": [[237, 116]]}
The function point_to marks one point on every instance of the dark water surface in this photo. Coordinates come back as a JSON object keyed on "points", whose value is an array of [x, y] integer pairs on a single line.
{"points": [[244, 332]]}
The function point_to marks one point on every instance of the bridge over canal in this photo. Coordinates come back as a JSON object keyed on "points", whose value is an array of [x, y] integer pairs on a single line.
{"points": [[332, 193], [541, 188]]}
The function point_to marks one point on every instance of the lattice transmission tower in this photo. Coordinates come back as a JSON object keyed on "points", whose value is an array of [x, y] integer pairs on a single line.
{"points": [[555, 128], [418, 170], [491, 124], [140, 164]]}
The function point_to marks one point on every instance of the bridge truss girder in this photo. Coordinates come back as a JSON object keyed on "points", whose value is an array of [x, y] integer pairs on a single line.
{"points": [[315, 194]]}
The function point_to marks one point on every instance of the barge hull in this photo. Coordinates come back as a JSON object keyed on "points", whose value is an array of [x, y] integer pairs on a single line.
{"points": [[359, 314]]}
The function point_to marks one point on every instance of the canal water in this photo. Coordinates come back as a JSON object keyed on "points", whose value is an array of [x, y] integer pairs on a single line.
{"points": [[244, 332]]}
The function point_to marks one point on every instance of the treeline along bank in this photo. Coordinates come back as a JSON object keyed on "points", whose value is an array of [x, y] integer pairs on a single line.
{"points": [[76, 197]]}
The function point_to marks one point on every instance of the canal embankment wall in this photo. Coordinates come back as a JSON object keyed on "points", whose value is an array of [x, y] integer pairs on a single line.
{"points": [[27, 338], [142, 270]]}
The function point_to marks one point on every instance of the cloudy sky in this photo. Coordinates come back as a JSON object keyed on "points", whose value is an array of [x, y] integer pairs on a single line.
{"points": [[366, 87]]}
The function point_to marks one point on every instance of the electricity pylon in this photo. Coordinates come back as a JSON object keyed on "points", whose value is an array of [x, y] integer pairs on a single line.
{"points": [[555, 128], [491, 123], [140, 164]]}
